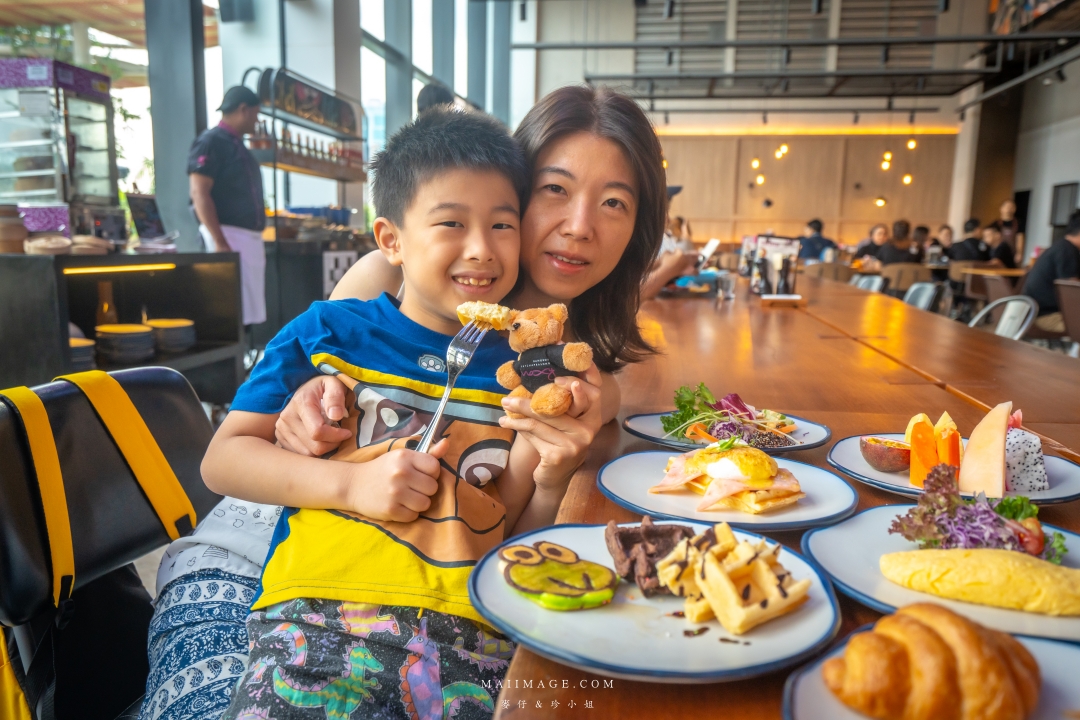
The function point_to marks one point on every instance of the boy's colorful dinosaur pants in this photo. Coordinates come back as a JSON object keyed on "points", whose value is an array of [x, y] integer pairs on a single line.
{"points": [[315, 659]]}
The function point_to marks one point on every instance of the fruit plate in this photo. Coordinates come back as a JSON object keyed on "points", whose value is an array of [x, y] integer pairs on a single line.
{"points": [[626, 481], [647, 426], [636, 638], [806, 697], [845, 456], [849, 552]]}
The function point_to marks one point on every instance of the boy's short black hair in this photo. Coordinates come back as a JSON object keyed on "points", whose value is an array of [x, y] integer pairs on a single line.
{"points": [[1073, 228], [900, 230], [443, 138], [972, 225], [815, 225]]}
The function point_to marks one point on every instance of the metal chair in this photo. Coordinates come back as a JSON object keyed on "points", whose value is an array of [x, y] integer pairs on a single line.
{"points": [[924, 295], [854, 279], [1020, 311], [1068, 297], [873, 283]]}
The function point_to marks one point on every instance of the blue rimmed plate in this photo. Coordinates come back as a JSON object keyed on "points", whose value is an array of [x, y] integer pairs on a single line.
{"points": [[635, 638], [845, 456], [647, 426], [806, 697], [850, 550], [626, 481]]}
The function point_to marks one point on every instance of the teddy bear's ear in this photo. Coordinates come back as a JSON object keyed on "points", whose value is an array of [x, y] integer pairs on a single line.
{"points": [[512, 316], [558, 311]]}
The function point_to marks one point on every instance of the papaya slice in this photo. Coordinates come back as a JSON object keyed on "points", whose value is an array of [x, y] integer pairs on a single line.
{"points": [[948, 448], [924, 452]]}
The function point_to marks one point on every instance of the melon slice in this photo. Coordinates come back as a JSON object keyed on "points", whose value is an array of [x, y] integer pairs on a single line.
{"points": [[983, 466]]}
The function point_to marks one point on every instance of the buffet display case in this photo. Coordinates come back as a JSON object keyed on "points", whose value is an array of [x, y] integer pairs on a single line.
{"points": [[57, 149]]}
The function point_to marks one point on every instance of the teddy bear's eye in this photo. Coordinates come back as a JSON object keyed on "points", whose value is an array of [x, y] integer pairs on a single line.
{"points": [[516, 326]]}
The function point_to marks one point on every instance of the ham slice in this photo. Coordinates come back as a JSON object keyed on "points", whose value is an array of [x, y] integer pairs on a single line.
{"points": [[720, 489], [676, 476]]}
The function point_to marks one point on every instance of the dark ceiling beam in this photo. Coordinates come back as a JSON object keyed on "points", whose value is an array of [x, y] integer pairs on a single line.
{"points": [[780, 74], [796, 42], [1041, 69]]}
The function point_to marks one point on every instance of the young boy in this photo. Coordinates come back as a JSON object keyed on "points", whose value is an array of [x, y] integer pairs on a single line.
{"points": [[363, 606]]}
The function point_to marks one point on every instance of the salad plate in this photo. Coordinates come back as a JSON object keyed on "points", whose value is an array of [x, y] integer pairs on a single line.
{"points": [[806, 696], [700, 419], [850, 552], [648, 426], [845, 456], [645, 639], [626, 481]]}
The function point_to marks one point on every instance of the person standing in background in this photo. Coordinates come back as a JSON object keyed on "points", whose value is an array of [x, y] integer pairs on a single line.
{"points": [[1010, 230], [227, 196], [1060, 261]]}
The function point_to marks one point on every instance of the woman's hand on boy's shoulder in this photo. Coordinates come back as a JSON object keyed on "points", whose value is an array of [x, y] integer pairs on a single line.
{"points": [[562, 442], [305, 426], [397, 486]]}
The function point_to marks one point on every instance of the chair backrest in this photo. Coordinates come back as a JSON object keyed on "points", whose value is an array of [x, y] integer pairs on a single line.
{"points": [[901, 276], [923, 295], [1068, 297], [1020, 311], [957, 267], [112, 520], [873, 283], [837, 271]]}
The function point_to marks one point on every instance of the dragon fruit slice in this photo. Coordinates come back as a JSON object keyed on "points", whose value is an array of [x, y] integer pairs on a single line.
{"points": [[1025, 471]]}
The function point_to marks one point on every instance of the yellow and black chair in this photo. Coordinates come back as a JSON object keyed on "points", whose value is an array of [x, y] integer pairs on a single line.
{"points": [[96, 470]]}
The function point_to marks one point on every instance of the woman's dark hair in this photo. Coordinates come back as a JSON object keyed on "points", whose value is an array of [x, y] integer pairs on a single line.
{"points": [[605, 315], [900, 230]]}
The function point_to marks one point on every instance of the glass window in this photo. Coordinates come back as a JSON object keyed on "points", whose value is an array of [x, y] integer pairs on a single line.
{"points": [[373, 91], [422, 53], [417, 86], [372, 18], [461, 47]]}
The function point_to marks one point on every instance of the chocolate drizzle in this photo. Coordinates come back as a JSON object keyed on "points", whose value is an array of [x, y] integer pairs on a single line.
{"points": [[695, 632]]}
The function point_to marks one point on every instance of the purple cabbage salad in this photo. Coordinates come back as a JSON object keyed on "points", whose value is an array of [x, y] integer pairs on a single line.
{"points": [[944, 519]]}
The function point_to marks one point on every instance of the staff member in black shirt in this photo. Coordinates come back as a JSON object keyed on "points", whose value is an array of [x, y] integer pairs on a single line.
{"points": [[227, 196], [972, 247], [1060, 261]]}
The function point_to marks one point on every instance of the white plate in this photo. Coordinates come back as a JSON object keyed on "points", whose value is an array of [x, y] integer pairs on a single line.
{"points": [[626, 480], [845, 456], [648, 426], [634, 638], [849, 552], [806, 696]]}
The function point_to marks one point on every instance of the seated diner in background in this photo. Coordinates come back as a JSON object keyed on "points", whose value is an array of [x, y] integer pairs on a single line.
{"points": [[870, 247], [972, 246], [900, 248], [1000, 248], [1060, 261], [813, 244], [945, 240]]}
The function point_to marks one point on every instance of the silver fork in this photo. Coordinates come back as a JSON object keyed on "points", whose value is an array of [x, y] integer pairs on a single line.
{"points": [[458, 356]]}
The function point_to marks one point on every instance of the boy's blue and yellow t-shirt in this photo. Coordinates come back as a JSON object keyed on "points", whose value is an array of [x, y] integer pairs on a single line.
{"points": [[395, 370]]}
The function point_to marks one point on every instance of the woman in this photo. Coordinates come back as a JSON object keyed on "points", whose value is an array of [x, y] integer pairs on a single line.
{"points": [[589, 236], [879, 235], [900, 248]]}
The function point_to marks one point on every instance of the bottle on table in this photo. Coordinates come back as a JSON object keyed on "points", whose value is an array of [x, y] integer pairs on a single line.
{"points": [[783, 286]]}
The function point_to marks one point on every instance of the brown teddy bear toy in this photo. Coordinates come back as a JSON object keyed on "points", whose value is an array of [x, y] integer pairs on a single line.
{"points": [[534, 335]]}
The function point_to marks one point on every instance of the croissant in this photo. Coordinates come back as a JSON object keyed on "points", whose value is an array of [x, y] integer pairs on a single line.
{"points": [[927, 663]]}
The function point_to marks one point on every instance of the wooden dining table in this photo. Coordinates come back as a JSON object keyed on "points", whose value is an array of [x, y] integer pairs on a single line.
{"points": [[996, 271], [858, 362]]}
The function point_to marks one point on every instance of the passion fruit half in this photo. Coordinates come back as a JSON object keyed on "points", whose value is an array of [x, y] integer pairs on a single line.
{"points": [[884, 455]]}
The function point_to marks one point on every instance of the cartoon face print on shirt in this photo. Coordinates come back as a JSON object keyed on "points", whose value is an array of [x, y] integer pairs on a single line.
{"points": [[385, 418]]}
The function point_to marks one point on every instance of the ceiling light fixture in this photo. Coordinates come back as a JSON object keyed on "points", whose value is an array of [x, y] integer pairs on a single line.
{"points": [[887, 155], [885, 164], [907, 179], [784, 148], [664, 163], [911, 144], [755, 163], [880, 201], [778, 154], [760, 179]]}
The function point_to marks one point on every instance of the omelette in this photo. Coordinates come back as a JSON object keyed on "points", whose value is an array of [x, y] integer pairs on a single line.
{"points": [[742, 478], [1001, 578]]}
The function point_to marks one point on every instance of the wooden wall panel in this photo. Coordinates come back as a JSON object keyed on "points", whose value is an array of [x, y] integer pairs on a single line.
{"points": [[816, 178]]}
